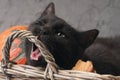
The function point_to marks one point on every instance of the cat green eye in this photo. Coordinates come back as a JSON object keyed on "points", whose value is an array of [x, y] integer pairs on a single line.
{"points": [[61, 34]]}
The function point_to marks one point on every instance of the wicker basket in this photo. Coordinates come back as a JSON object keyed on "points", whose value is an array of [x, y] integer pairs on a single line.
{"points": [[11, 71]]}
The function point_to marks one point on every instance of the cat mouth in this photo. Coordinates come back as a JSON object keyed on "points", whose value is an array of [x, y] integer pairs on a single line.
{"points": [[35, 53]]}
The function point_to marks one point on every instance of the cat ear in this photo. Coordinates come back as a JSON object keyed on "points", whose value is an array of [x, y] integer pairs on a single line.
{"points": [[88, 37], [50, 9]]}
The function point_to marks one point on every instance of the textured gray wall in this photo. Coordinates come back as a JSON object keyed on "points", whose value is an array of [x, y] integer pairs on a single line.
{"points": [[81, 14]]}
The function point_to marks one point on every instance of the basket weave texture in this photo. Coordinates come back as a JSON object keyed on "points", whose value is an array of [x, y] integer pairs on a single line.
{"points": [[25, 72]]}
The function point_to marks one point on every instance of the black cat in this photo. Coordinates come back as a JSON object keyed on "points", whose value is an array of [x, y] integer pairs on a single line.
{"points": [[67, 45]]}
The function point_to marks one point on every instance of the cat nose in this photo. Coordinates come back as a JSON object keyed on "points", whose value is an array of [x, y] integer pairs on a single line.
{"points": [[44, 32]]}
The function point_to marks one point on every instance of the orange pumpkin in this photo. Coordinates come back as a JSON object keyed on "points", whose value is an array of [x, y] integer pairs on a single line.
{"points": [[15, 49]]}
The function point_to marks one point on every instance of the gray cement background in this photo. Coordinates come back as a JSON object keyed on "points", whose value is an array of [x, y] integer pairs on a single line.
{"points": [[81, 14]]}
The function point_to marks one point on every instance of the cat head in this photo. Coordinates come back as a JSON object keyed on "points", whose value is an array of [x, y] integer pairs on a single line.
{"points": [[66, 44]]}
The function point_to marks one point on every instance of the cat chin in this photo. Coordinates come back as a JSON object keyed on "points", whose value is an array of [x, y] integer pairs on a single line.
{"points": [[39, 63]]}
